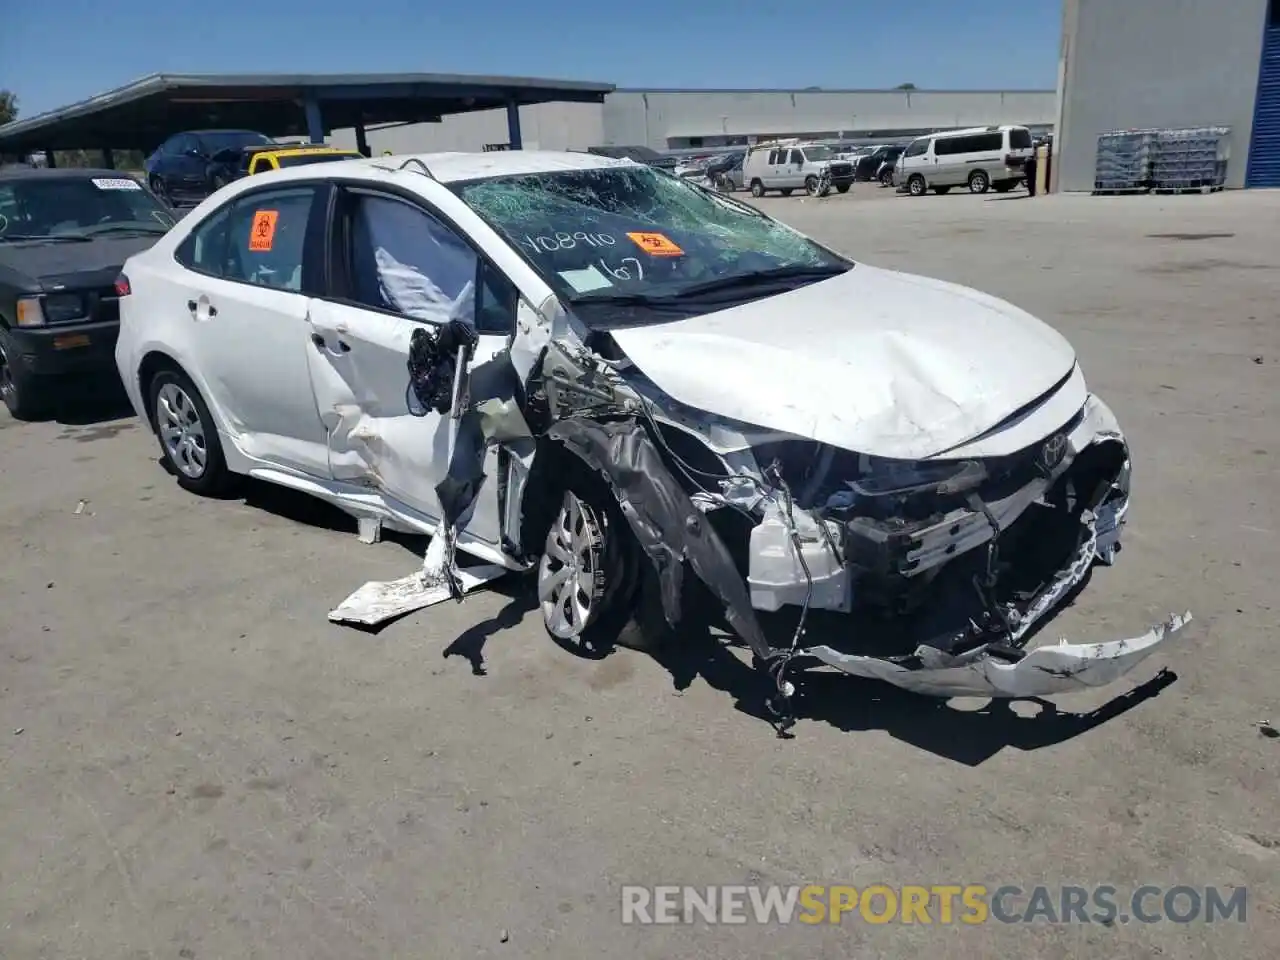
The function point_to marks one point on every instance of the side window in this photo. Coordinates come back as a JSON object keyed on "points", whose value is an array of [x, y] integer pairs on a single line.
{"points": [[1019, 139], [205, 249], [946, 146], [402, 259], [773, 157], [797, 156], [266, 234], [988, 142], [918, 149]]}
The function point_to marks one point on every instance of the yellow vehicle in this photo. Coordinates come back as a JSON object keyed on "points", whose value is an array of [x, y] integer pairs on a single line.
{"points": [[293, 156]]}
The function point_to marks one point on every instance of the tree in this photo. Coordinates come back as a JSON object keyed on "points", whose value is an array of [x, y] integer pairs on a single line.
{"points": [[8, 107], [905, 86]]}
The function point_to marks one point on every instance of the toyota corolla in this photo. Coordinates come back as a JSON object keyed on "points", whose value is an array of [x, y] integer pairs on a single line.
{"points": [[624, 384]]}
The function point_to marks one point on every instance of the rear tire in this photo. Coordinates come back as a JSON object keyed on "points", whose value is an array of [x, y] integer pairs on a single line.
{"points": [[942, 191], [158, 188], [757, 189], [979, 182], [1002, 187], [886, 179], [189, 443], [843, 188], [786, 192]]}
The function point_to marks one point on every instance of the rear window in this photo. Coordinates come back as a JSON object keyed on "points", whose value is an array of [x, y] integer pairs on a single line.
{"points": [[1020, 139]]}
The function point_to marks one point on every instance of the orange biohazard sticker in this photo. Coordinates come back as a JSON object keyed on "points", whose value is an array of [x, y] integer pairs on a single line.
{"points": [[263, 231], [656, 244]]}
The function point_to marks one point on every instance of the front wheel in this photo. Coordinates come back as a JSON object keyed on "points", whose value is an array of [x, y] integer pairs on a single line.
{"points": [[843, 188], [916, 186], [757, 189], [188, 435], [886, 179], [590, 575], [22, 397]]}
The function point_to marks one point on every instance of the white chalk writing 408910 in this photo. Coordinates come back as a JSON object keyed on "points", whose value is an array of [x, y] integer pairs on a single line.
{"points": [[565, 241]]}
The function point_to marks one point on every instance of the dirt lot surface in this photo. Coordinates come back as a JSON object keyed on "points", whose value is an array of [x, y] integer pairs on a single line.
{"points": [[194, 763]]}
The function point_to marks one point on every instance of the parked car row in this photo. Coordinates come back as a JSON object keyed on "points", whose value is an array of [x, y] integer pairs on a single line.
{"points": [[190, 165]]}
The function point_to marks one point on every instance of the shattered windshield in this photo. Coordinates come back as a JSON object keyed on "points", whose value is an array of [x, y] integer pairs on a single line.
{"points": [[635, 234], [47, 208]]}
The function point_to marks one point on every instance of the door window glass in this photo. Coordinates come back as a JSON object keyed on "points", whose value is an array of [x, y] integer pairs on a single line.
{"points": [[797, 157], [917, 149], [259, 239], [406, 261]]}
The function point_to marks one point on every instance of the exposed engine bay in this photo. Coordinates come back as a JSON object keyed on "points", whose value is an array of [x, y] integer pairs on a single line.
{"points": [[943, 567]]}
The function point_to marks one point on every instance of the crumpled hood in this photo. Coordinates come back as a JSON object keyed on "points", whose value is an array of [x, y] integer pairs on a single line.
{"points": [[880, 362], [59, 263]]}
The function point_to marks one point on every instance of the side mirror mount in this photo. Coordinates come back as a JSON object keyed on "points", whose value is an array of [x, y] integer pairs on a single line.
{"points": [[195, 152]]}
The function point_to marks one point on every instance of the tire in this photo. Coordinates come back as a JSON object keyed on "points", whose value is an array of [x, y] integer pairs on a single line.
{"points": [[757, 189], [1002, 187], [843, 188], [886, 179], [811, 186], [916, 186], [979, 182], [786, 192], [942, 191], [158, 188], [22, 394], [607, 598], [188, 436]]}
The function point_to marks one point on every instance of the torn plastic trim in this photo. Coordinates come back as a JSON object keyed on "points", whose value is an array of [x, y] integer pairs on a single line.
{"points": [[1046, 670], [668, 525]]}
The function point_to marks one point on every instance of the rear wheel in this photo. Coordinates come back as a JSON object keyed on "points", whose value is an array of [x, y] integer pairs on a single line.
{"points": [[786, 192], [886, 179], [757, 189], [843, 188], [979, 182], [916, 186], [158, 188], [942, 191], [188, 435], [1002, 187]]}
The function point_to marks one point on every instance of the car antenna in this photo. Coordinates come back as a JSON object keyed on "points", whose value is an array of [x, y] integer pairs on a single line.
{"points": [[425, 168]]}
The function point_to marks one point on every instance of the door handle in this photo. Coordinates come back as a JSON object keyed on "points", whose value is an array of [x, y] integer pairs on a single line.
{"points": [[193, 306], [323, 344]]}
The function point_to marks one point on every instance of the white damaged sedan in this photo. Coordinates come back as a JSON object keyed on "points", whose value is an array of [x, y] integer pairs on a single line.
{"points": [[617, 380]]}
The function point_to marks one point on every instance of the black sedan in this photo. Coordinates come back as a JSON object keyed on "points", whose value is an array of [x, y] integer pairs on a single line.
{"points": [[870, 164], [64, 235]]}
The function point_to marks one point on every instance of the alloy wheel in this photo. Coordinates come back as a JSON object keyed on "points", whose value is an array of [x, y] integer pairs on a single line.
{"points": [[182, 432], [569, 573]]}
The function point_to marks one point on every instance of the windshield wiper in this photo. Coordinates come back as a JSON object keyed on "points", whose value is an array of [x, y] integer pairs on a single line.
{"points": [[757, 278], [31, 237], [127, 228]]}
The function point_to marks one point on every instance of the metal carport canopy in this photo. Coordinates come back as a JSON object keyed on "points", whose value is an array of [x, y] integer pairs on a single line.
{"points": [[144, 113]]}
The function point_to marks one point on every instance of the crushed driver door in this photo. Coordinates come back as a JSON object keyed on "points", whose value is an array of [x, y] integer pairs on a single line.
{"points": [[359, 363]]}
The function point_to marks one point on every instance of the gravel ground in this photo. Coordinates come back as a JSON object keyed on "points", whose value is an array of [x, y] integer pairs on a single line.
{"points": [[194, 763]]}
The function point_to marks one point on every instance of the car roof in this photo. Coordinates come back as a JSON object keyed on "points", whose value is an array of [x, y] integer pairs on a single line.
{"points": [[456, 167], [59, 173]]}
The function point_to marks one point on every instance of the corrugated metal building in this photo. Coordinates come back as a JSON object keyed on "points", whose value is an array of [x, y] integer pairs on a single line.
{"points": [[1142, 64], [675, 119]]}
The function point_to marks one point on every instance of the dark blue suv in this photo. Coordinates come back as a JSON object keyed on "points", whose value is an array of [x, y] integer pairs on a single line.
{"points": [[189, 166]]}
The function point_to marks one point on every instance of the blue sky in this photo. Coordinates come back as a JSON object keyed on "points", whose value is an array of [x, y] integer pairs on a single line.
{"points": [[53, 52]]}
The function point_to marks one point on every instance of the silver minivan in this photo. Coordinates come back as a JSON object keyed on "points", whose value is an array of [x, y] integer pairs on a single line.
{"points": [[981, 158]]}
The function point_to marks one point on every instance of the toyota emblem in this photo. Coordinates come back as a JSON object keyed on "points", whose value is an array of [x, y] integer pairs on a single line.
{"points": [[1051, 454]]}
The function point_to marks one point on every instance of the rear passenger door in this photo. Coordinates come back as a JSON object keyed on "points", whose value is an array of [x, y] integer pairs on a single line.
{"points": [[245, 302], [396, 265]]}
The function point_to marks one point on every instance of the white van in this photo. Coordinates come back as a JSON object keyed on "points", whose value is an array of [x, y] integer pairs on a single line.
{"points": [[789, 165], [981, 158]]}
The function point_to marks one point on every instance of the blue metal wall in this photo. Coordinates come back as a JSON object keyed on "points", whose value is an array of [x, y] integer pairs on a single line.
{"points": [[1264, 152]]}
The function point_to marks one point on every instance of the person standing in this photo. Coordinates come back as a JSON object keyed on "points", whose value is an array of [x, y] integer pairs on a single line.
{"points": [[1030, 169]]}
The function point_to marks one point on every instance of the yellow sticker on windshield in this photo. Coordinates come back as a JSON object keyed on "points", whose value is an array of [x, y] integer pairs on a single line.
{"points": [[656, 244], [263, 232]]}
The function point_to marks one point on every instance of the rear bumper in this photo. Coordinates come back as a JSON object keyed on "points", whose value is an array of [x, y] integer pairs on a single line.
{"points": [[76, 348]]}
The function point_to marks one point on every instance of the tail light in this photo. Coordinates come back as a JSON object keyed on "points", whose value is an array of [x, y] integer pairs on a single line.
{"points": [[122, 286]]}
